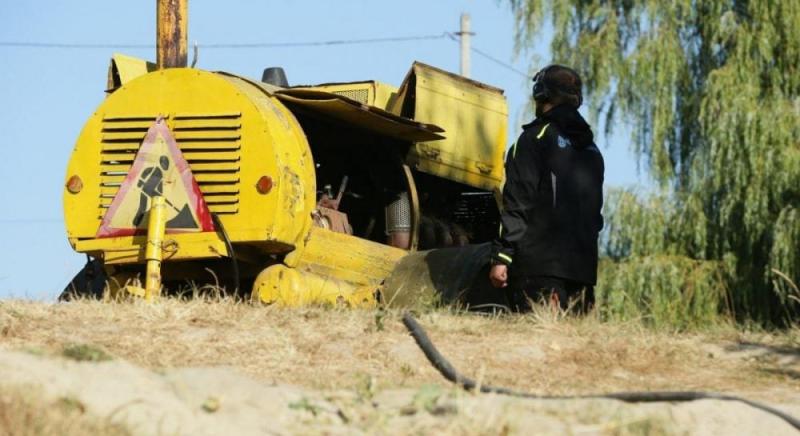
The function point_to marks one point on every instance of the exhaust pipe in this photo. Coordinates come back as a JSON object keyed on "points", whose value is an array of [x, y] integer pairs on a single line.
{"points": [[171, 33]]}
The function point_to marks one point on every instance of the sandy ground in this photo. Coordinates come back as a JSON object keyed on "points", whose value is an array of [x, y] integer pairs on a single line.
{"points": [[225, 368]]}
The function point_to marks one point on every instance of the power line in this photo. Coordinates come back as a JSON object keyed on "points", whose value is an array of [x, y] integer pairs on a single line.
{"points": [[28, 44], [30, 220], [505, 65], [251, 45], [24, 44], [323, 43], [501, 63]]}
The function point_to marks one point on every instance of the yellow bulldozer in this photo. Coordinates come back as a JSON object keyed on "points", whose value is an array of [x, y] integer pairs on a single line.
{"points": [[342, 193]]}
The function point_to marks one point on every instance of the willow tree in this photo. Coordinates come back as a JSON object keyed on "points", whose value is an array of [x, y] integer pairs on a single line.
{"points": [[711, 91]]}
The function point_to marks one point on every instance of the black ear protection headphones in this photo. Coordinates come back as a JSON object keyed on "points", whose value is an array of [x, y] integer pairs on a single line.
{"points": [[544, 89], [541, 91]]}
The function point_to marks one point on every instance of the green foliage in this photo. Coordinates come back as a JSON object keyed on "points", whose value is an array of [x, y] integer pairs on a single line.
{"points": [[654, 269], [711, 89], [427, 398], [71, 404], [662, 291], [380, 314], [305, 404], [85, 353]]}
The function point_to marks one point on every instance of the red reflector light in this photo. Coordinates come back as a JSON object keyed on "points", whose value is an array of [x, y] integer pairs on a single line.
{"points": [[74, 184], [264, 185]]}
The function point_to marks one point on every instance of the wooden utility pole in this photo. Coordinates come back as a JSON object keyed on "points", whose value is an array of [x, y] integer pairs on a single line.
{"points": [[464, 36], [171, 33]]}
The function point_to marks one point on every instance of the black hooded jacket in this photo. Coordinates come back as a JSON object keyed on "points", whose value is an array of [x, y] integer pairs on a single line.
{"points": [[552, 200]]}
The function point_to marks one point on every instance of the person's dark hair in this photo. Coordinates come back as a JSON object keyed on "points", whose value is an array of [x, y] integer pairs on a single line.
{"points": [[558, 84]]}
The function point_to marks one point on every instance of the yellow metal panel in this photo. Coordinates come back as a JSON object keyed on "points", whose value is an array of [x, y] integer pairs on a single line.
{"points": [[220, 189], [124, 136], [216, 177], [231, 132], [279, 284], [334, 268], [133, 144], [475, 119], [231, 122], [384, 95], [127, 125], [294, 175], [211, 144], [368, 117], [371, 92], [348, 258], [108, 179], [125, 68], [362, 92], [208, 134], [130, 249], [213, 198], [223, 208], [212, 155], [221, 170]]}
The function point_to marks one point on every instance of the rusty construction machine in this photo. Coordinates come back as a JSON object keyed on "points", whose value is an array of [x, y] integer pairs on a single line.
{"points": [[345, 193]]}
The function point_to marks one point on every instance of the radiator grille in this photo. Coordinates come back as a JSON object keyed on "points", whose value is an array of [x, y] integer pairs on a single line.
{"points": [[211, 144], [477, 213], [359, 95], [474, 207]]}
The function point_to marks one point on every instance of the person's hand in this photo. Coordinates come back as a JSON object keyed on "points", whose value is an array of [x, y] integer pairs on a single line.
{"points": [[499, 275]]}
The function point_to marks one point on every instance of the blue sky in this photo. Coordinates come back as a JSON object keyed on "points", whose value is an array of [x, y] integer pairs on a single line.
{"points": [[47, 94]]}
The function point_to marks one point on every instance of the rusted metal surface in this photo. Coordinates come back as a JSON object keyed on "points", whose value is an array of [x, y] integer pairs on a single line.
{"points": [[416, 215], [332, 220], [171, 33]]}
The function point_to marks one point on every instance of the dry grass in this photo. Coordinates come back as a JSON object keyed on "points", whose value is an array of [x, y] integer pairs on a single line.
{"points": [[332, 348], [359, 371], [24, 413]]}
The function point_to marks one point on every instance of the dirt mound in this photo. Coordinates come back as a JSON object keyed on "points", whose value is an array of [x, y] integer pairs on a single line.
{"points": [[213, 401], [227, 368]]}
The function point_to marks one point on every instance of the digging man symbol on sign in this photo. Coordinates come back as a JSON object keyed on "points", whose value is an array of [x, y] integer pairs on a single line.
{"points": [[151, 183]]}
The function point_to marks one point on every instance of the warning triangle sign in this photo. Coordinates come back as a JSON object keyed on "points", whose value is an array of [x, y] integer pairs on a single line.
{"points": [[159, 169]]}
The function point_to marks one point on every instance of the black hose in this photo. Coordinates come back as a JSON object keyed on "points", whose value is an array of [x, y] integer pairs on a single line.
{"points": [[229, 247], [450, 373]]}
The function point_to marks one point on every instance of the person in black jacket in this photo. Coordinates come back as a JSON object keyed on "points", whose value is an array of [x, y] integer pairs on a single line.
{"points": [[552, 200]]}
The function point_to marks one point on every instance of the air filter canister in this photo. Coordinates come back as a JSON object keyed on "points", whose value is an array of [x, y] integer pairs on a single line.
{"points": [[398, 215]]}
